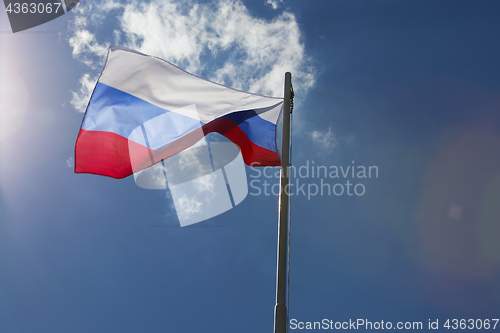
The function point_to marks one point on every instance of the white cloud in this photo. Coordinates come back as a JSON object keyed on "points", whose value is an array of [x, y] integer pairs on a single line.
{"points": [[186, 207], [70, 162], [326, 140], [84, 42], [220, 41], [81, 98], [194, 201], [274, 3], [205, 186]]}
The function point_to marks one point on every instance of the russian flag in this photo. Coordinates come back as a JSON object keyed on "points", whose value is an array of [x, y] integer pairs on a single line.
{"points": [[144, 110]]}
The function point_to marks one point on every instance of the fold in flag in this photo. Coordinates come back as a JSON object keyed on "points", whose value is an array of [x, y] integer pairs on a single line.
{"points": [[144, 110]]}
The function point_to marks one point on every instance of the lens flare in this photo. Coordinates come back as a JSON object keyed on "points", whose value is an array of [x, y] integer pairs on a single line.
{"points": [[455, 212], [458, 220], [13, 96]]}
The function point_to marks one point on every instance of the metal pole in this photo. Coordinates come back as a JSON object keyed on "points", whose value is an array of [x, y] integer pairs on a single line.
{"points": [[280, 310]]}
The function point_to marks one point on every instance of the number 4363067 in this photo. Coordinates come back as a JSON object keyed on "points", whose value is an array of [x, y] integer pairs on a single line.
{"points": [[33, 8], [471, 324]]}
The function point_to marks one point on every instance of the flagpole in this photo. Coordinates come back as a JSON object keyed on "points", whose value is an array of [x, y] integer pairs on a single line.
{"points": [[280, 310]]}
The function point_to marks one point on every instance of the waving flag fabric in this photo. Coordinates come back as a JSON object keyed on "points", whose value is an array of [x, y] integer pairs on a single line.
{"points": [[144, 110]]}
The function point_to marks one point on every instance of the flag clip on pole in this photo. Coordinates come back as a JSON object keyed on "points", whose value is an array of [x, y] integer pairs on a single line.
{"points": [[280, 310]]}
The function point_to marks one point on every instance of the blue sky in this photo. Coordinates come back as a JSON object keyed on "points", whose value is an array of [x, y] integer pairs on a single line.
{"points": [[411, 87]]}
